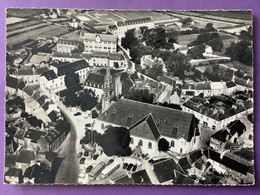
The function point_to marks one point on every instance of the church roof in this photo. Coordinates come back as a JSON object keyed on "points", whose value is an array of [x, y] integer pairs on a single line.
{"points": [[171, 123]]}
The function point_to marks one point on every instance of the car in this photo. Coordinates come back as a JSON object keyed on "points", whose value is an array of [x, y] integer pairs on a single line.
{"points": [[125, 165], [88, 125], [88, 169], [110, 161], [80, 154], [129, 167], [95, 157], [134, 168], [86, 153], [77, 114], [82, 160]]}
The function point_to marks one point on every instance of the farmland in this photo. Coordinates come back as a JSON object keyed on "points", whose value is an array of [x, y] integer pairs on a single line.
{"points": [[24, 13]]}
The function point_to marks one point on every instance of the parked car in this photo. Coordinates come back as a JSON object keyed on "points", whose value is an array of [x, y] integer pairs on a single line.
{"points": [[129, 167], [77, 114], [125, 165], [80, 154], [86, 153], [88, 125], [82, 160], [134, 168], [88, 169], [95, 157], [110, 161]]}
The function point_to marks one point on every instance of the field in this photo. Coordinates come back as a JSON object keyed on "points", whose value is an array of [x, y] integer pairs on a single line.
{"points": [[142, 14], [48, 31], [105, 16], [13, 20], [23, 13], [185, 39]]}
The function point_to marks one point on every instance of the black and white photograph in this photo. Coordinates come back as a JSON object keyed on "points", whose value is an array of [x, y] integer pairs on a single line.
{"points": [[151, 97]]}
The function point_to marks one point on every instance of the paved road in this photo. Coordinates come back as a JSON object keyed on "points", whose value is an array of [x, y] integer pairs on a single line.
{"points": [[69, 169]]}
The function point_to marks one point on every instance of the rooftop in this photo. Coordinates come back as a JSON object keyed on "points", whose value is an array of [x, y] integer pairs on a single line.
{"points": [[14, 172], [11, 82], [72, 67], [170, 122], [34, 135], [103, 37], [49, 75], [141, 177], [26, 156], [133, 22]]}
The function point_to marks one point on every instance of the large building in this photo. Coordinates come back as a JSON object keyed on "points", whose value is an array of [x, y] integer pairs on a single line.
{"points": [[148, 123], [121, 27], [98, 42]]}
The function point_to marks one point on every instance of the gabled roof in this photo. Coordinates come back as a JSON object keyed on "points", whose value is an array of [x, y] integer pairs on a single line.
{"points": [[171, 122], [36, 95], [14, 172], [134, 21], [195, 155], [222, 135], [21, 85], [53, 115], [46, 105], [62, 126], [124, 180], [145, 128], [37, 172], [245, 153], [11, 82], [72, 67], [49, 75], [42, 100], [34, 135], [95, 79], [69, 42], [248, 104], [26, 156], [164, 170], [230, 84], [226, 161], [236, 127], [28, 90], [141, 177], [67, 55], [103, 37], [10, 160], [184, 163], [182, 179]]}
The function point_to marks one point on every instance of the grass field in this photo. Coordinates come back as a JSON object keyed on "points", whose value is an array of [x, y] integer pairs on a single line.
{"points": [[23, 13], [24, 29], [48, 31]]}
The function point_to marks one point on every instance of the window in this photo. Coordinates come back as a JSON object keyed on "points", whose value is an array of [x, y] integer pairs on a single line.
{"points": [[131, 115], [213, 127], [140, 143], [150, 145], [132, 141], [102, 126], [172, 143], [181, 150]]}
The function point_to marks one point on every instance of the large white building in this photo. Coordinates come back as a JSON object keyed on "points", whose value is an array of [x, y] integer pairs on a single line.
{"points": [[120, 27], [54, 79], [148, 123]]}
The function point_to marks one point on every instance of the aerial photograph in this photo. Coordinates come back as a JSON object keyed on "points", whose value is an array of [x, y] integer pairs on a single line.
{"points": [[156, 97]]}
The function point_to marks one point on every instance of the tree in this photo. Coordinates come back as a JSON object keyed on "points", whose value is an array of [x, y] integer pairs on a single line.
{"points": [[240, 51], [163, 145], [197, 52], [246, 34], [94, 114], [115, 141], [71, 99], [216, 44], [141, 95], [155, 70], [129, 40], [203, 38], [71, 79], [209, 26], [187, 21], [155, 37], [87, 100]]}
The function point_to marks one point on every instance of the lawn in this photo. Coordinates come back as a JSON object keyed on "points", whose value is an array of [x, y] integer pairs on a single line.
{"points": [[23, 13]]}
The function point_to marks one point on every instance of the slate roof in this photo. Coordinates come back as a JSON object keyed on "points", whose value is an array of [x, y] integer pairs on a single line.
{"points": [[95, 79], [53, 115], [184, 163], [164, 170], [50, 75], [34, 135], [72, 67], [171, 122], [134, 21], [37, 172], [230, 84], [62, 126], [42, 100], [245, 153], [248, 104], [145, 128], [11, 82], [21, 85], [141, 177], [236, 127], [222, 135], [104, 37], [51, 136], [46, 105], [26, 156], [195, 155], [28, 90], [36, 95], [110, 56], [182, 179], [10, 160], [124, 180], [226, 161], [67, 55], [69, 42], [169, 81], [14, 172]]}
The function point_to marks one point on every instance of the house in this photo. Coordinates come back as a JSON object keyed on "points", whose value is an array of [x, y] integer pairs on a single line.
{"points": [[11, 85], [47, 159], [175, 97], [25, 158], [36, 174], [67, 46], [226, 165], [98, 42], [177, 127], [218, 113], [243, 85], [181, 179], [119, 28], [231, 87], [31, 137], [141, 177], [10, 160], [66, 57], [54, 79], [164, 170], [13, 176]]}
